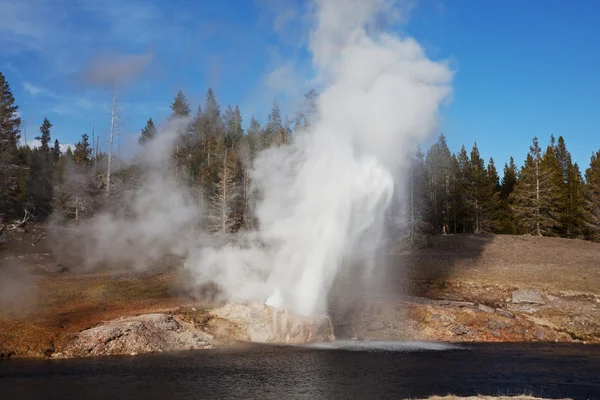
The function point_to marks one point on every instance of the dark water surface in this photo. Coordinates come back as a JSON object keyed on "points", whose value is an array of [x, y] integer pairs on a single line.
{"points": [[377, 370]]}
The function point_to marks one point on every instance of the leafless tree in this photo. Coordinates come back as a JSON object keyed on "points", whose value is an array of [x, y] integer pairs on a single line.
{"points": [[220, 203]]}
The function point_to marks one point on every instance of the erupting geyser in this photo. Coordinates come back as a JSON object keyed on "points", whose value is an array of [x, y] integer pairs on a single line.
{"points": [[324, 196]]}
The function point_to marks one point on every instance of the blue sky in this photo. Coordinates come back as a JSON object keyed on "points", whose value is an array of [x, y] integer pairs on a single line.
{"points": [[523, 68]]}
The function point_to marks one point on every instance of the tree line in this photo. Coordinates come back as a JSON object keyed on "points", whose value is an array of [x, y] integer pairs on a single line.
{"points": [[446, 192], [547, 196]]}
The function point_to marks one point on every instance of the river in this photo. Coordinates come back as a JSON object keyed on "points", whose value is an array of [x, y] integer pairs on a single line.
{"points": [[342, 370]]}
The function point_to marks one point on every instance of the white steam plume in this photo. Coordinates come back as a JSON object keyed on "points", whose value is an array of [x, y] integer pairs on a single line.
{"points": [[324, 196]]}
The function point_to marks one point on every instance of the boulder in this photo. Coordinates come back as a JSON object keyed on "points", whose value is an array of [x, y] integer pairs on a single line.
{"points": [[527, 297]]}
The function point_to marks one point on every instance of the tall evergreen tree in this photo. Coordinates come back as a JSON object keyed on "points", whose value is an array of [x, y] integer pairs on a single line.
{"points": [[275, 132], [83, 152], [148, 133], [492, 200], [233, 125], [56, 151], [532, 204], [591, 199], [415, 225], [465, 189], [180, 106], [509, 181], [554, 194], [439, 168], [308, 110], [254, 133], [44, 137], [40, 187], [10, 123], [479, 189], [213, 124], [569, 192]]}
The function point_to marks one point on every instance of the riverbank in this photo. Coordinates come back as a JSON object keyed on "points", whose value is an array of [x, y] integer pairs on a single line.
{"points": [[463, 288]]}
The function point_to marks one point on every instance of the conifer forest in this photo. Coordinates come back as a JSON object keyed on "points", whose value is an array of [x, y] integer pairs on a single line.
{"points": [[447, 193]]}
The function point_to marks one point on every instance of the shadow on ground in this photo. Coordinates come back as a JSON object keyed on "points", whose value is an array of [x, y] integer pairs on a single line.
{"points": [[421, 273]]}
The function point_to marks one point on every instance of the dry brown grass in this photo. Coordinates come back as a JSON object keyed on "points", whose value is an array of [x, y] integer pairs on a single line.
{"points": [[549, 264]]}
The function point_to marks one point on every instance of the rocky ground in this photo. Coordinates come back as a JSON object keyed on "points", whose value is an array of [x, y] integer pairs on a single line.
{"points": [[461, 288], [513, 316], [467, 288]]}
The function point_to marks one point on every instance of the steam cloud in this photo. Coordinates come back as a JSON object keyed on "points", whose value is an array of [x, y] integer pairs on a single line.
{"points": [[324, 196]]}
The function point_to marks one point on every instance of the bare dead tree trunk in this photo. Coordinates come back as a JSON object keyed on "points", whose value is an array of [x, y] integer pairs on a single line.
{"points": [[96, 151], [476, 216], [77, 210], [110, 143], [93, 148], [454, 215]]}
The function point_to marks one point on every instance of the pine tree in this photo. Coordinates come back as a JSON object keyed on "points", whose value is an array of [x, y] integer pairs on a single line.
{"points": [[492, 200], [148, 133], [40, 185], [532, 204], [254, 136], [232, 120], [308, 110], [56, 151], [509, 181], [591, 198], [180, 106], [9, 138], [238, 131], [554, 193], [479, 189], [44, 138], [569, 192], [439, 168], [417, 183], [180, 110], [274, 130], [455, 193], [213, 124], [83, 152], [465, 190], [575, 202]]}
